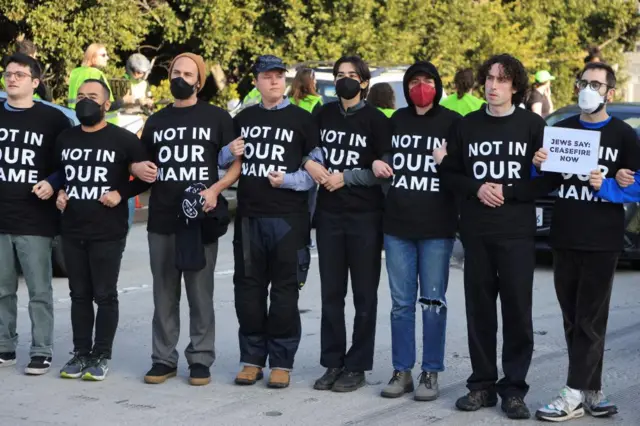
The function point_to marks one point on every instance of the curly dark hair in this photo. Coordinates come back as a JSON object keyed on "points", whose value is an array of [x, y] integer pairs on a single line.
{"points": [[512, 69], [381, 95]]}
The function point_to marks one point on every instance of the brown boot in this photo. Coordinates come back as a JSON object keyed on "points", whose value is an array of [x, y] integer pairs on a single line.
{"points": [[249, 375], [278, 379]]}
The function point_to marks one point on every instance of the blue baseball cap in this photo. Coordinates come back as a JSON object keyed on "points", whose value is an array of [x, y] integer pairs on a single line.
{"points": [[267, 63]]}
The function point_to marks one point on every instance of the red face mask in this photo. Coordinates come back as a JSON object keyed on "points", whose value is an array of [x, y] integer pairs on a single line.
{"points": [[422, 94]]}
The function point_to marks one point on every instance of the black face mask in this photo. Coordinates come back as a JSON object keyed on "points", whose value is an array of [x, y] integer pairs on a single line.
{"points": [[347, 88], [180, 89], [89, 112]]}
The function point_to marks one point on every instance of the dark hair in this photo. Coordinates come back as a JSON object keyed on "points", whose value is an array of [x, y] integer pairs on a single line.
{"points": [[362, 69], [302, 84], [381, 95], [463, 81], [27, 61], [594, 53], [107, 91], [512, 69], [611, 74], [26, 47]]}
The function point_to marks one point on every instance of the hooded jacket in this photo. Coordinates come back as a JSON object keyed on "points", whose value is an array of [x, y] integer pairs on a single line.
{"points": [[416, 206]]}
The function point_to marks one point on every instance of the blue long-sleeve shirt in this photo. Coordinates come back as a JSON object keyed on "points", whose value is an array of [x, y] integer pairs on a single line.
{"points": [[611, 191]]}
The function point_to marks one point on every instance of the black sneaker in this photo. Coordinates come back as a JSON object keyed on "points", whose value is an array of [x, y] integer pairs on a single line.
{"points": [[159, 373], [349, 381], [476, 399], [328, 379], [199, 375], [515, 408], [39, 365], [7, 359]]}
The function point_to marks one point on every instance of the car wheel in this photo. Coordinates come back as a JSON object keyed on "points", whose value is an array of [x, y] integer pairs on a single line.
{"points": [[57, 259]]}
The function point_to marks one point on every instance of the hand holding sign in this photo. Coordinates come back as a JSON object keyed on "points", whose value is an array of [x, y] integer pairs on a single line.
{"points": [[571, 151], [43, 190], [382, 170], [540, 157], [61, 201], [625, 177], [111, 199]]}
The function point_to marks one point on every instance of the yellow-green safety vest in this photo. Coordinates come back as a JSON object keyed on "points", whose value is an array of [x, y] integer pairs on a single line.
{"points": [[387, 111], [308, 103]]}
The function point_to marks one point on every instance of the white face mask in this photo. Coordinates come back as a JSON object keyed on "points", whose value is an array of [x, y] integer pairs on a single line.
{"points": [[589, 100]]}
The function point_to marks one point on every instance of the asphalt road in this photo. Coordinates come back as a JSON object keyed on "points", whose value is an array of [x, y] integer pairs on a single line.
{"points": [[123, 399]]}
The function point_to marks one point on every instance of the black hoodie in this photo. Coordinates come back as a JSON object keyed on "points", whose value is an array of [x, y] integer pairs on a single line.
{"points": [[417, 207]]}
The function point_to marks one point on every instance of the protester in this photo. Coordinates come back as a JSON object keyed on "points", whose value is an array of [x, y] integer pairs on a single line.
{"points": [[420, 222], [587, 237], [95, 158], [382, 97], [353, 136], [271, 227], [463, 101], [186, 141], [29, 220], [489, 166], [27, 47], [95, 59], [539, 99]]}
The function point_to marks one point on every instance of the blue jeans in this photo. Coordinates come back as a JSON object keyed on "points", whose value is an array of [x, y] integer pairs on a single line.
{"points": [[410, 262], [132, 210]]}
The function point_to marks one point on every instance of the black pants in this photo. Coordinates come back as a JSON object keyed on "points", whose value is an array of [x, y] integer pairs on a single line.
{"points": [[349, 243], [269, 251], [93, 268], [504, 267], [583, 283]]}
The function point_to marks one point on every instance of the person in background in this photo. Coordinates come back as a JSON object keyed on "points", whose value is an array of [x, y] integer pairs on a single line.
{"points": [[539, 99], [138, 68], [304, 95], [95, 58], [381, 96], [29, 220], [26, 47], [463, 102]]}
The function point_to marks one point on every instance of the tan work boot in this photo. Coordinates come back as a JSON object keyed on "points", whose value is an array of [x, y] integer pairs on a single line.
{"points": [[278, 379], [249, 375]]}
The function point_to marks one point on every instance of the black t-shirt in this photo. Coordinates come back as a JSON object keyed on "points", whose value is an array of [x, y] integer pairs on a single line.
{"points": [[580, 220], [95, 163], [184, 143], [275, 140], [417, 206], [536, 97], [352, 142], [484, 148], [27, 146]]}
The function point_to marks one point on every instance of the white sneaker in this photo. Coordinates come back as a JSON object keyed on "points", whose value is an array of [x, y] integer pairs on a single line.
{"points": [[566, 406], [596, 404]]}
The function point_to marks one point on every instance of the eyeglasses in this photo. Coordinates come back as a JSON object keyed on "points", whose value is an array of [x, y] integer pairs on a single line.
{"points": [[18, 75], [594, 85]]}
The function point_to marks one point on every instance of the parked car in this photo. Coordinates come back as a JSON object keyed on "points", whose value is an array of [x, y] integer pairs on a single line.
{"points": [[630, 113]]}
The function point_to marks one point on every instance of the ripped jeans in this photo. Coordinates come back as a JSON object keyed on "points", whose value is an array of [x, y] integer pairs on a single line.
{"points": [[410, 262]]}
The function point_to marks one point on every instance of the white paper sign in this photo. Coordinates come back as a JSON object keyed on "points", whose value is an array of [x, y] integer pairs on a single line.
{"points": [[570, 150]]}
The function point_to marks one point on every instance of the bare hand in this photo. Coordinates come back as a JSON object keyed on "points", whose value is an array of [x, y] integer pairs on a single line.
{"points": [[146, 171], [210, 196], [43, 190], [491, 195], [625, 177], [317, 172], [334, 182], [61, 201], [111, 198], [439, 153], [276, 179], [595, 179], [237, 147], [540, 157], [382, 170]]}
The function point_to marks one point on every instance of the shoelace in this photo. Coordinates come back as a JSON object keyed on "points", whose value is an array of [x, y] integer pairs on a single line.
{"points": [[426, 379], [395, 377]]}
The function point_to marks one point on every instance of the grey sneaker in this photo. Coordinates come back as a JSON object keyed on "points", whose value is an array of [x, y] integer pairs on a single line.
{"points": [[97, 369], [401, 382], [427, 389], [596, 404], [73, 369]]}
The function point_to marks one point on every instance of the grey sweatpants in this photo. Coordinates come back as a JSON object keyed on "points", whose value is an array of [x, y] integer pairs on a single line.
{"points": [[34, 255], [166, 300]]}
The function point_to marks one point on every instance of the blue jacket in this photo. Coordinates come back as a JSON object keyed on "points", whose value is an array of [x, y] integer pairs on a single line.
{"points": [[611, 191]]}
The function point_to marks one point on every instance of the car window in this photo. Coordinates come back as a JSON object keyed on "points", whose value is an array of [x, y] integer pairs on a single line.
{"points": [[398, 90], [327, 90]]}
